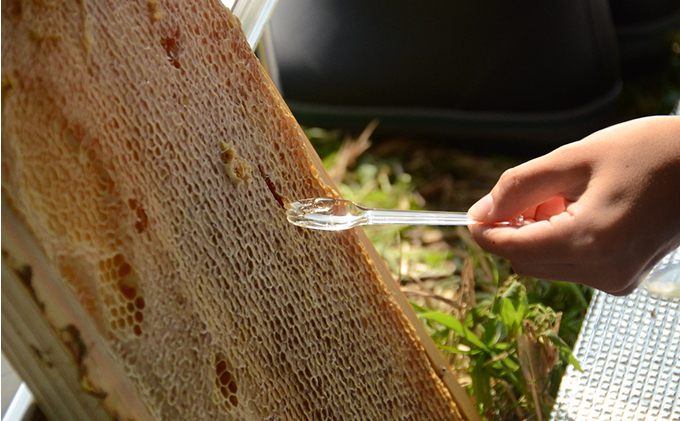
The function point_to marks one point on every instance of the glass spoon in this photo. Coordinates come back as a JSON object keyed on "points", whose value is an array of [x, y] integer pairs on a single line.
{"points": [[339, 214], [664, 279]]}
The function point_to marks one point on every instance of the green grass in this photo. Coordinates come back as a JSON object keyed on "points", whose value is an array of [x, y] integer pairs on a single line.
{"points": [[508, 339]]}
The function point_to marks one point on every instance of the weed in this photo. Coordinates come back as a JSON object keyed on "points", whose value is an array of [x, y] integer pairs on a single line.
{"points": [[508, 339]]}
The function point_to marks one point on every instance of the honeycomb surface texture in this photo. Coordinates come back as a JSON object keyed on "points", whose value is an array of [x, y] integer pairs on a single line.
{"points": [[150, 156]]}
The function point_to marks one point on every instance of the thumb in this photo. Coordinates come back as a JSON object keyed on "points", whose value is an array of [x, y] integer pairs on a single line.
{"points": [[531, 184]]}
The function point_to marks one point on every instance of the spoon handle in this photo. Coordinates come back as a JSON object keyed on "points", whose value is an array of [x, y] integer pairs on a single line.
{"points": [[402, 217]]}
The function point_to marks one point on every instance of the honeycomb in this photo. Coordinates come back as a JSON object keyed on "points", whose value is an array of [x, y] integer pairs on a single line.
{"points": [[119, 285], [151, 158], [225, 384]]}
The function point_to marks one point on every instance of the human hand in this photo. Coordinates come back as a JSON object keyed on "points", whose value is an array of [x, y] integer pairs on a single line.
{"points": [[600, 212]]}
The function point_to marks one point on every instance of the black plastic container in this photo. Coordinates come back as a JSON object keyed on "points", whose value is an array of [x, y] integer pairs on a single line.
{"points": [[534, 70], [645, 30]]}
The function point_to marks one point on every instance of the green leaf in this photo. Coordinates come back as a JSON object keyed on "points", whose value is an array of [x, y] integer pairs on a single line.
{"points": [[492, 333], [509, 316], [452, 349], [516, 292], [502, 346], [564, 349], [512, 367], [418, 308], [522, 311], [577, 292], [455, 325], [481, 385]]}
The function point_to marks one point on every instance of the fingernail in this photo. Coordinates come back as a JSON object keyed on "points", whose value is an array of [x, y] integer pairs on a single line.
{"points": [[480, 210]]}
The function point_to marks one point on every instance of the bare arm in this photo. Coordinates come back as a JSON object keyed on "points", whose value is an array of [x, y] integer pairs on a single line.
{"points": [[602, 211]]}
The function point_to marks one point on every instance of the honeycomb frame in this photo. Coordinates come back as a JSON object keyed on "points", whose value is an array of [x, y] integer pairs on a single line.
{"points": [[151, 158]]}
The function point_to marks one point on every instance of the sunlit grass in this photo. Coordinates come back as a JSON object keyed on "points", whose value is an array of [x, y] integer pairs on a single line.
{"points": [[508, 339]]}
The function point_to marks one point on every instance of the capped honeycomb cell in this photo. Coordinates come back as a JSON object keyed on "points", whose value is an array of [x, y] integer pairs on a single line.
{"points": [[238, 169], [155, 12]]}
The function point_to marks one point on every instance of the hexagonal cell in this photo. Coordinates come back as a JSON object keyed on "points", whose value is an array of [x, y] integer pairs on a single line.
{"points": [[120, 292], [225, 383]]}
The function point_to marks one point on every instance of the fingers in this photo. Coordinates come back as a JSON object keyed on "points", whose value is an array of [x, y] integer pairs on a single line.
{"points": [[527, 186], [540, 241], [602, 209], [561, 249]]}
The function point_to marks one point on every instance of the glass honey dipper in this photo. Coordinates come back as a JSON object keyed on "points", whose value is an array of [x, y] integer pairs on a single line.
{"points": [[338, 214]]}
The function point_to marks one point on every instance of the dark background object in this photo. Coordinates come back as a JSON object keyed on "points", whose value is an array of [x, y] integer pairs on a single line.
{"points": [[645, 30], [533, 70]]}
